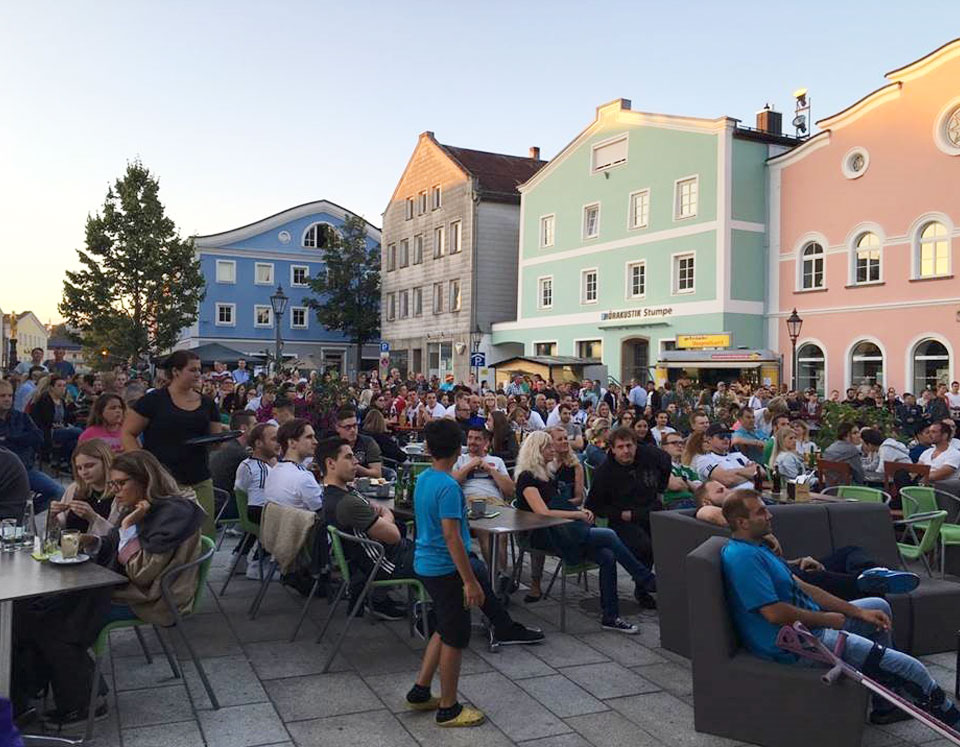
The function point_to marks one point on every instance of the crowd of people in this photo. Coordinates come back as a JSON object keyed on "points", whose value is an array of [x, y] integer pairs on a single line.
{"points": [[602, 457]]}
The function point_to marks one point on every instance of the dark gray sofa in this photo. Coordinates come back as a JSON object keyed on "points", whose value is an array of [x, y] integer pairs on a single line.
{"points": [[926, 621], [740, 696]]}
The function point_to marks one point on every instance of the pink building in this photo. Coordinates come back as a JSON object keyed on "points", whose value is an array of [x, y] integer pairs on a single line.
{"points": [[864, 227]]}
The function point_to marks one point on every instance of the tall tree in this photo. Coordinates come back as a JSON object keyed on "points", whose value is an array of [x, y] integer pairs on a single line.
{"points": [[139, 282], [348, 296]]}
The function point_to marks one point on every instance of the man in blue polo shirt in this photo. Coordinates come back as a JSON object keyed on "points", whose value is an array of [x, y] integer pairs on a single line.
{"points": [[763, 595]]}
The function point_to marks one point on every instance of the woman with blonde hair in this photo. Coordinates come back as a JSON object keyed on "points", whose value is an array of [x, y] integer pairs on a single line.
{"points": [[694, 447], [784, 455], [765, 418], [537, 491], [596, 452], [86, 503]]}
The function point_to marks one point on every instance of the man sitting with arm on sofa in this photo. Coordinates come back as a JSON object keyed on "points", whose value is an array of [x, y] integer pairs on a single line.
{"points": [[763, 595]]}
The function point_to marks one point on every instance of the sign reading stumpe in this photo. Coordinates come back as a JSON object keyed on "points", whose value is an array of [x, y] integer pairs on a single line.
{"points": [[721, 340], [641, 313]]}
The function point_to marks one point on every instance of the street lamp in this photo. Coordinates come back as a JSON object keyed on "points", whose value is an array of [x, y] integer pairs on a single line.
{"points": [[794, 323], [475, 339], [279, 303]]}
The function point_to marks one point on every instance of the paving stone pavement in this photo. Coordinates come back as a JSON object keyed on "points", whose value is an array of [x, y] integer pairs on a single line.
{"points": [[585, 688]]}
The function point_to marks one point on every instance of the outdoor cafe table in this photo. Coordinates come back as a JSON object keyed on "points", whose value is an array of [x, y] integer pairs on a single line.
{"points": [[22, 577]]}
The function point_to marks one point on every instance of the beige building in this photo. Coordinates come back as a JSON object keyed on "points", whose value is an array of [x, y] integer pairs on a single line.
{"points": [[449, 260], [31, 333]]}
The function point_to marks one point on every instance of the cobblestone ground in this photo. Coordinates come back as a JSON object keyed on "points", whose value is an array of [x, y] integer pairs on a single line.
{"points": [[584, 687]]}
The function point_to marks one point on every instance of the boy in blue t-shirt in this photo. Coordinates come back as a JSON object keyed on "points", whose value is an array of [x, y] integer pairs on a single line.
{"points": [[455, 580]]}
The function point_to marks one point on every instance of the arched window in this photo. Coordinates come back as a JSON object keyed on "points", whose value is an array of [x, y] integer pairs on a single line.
{"points": [[811, 368], [931, 365], [933, 252], [866, 261], [318, 236], [811, 268], [866, 364]]}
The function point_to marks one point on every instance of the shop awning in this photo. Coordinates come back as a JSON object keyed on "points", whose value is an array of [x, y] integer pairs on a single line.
{"points": [[718, 358]]}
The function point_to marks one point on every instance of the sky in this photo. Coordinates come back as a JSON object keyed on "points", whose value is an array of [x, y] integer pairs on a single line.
{"points": [[242, 109]]}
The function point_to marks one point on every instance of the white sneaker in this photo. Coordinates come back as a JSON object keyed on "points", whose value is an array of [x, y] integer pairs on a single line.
{"points": [[253, 569]]}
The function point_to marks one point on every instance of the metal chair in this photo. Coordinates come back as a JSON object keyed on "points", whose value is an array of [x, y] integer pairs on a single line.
{"points": [[223, 497], [859, 493], [890, 470], [833, 473], [928, 499], [250, 529], [99, 646], [412, 585], [562, 570], [932, 521]]}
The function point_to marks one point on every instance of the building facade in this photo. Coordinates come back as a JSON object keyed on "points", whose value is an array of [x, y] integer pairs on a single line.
{"points": [[865, 220], [449, 262], [243, 268], [644, 227], [30, 333]]}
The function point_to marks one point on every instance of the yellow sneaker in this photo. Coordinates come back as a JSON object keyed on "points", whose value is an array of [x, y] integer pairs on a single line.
{"points": [[431, 704], [467, 717]]}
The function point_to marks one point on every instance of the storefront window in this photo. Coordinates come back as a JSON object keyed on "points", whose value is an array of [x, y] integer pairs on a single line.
{"points": [[811, 368], [866, 364], [440, 356], [931, 365]]}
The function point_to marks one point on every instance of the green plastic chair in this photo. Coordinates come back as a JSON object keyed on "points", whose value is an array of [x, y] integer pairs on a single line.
{"points": [[860, 493], [923, 498], [223, 497], [412, 585], [208, 548], [250, 528], [928, 542]]}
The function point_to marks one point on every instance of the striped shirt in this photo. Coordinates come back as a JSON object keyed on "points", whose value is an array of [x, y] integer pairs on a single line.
{"points": [[252, 480]]}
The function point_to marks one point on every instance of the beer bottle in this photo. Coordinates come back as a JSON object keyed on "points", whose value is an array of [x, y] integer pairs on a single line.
{"points": [[775, 481], [758, 480]]}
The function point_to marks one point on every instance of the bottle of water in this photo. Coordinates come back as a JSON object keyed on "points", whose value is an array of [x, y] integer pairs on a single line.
{"points": [[28, 526]]}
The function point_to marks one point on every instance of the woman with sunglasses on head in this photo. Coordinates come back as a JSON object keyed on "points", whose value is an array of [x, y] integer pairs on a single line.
{"points": [[168, 418]]}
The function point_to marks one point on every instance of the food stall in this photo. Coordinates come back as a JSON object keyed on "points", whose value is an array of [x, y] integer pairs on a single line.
{"points": [[551, 367], [711, 365]]}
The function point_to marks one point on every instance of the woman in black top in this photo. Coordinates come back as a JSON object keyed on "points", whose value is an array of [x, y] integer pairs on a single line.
{"points": [[503, 444], [537, 492], [167, 418], [375, 426], [86, 503], [54, 415]]}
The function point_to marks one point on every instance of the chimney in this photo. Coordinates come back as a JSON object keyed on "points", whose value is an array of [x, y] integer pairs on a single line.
{"points": [[535, 152], [769, 121]]}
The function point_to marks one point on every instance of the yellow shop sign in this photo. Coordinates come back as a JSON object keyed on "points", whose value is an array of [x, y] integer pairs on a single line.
{"points": [[697, 342]]}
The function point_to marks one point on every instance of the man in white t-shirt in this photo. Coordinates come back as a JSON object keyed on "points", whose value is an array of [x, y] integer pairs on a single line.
{"points": [[480, 474], [290, 483], [661, 429], [253, 471], [953, 399], [734, 471], [943, 459], [430, 409]]}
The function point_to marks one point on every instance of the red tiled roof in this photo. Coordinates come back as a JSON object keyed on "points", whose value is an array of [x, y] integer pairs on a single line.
{"points": [[498, 174]]}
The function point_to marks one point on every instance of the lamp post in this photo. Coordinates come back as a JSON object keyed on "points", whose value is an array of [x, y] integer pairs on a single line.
{"points": [[279, 303], [475, 338], [794, 323]]}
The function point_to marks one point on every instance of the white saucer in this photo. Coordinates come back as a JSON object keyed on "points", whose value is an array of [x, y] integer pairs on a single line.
{"points": [[58, 559]]}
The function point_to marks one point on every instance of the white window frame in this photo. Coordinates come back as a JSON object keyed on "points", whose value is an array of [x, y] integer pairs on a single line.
{"points": [[404, 304], [306, 317], [695, 178], [232, 264], [675, 274], [802, 260], [583, 221], [417, 250], [456, 237], [540, 282], [293, 283], [256, 273], [551, 219], [437, 299], [555, 343], [628, 290], [391, 303], [603, 143], [408, 209], [451, 297], [584, 301], [439, 244], [233, 315], [577, 342], [404, 256], [917, 247], [436, 197], [303, 236], [256, 309], [417, 309], [631, 224], [391, 257], [852, 258], [422, 202]]}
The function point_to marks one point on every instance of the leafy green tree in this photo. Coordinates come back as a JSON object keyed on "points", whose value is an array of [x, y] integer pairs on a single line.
{"points": [[347, 296], [139, 282], [835, 413]]}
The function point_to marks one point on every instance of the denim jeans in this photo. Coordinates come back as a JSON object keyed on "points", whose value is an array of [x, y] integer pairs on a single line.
{"points": [[65, 439], [907, 676], [48, 488], [606, 549]]}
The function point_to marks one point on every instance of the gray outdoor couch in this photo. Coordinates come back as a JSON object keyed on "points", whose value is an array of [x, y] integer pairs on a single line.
{"points": [[925, 621], [740, 696]]}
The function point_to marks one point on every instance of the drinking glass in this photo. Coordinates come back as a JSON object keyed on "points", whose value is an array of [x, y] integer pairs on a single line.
{"points": [[69, 543], [51, 542], [8, 535]]}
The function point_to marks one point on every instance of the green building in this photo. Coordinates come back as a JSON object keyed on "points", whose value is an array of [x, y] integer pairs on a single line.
{"points": [[645, 227]]}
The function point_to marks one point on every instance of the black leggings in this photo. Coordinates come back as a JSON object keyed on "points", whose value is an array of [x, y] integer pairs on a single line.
{"points": [[840, 571]]}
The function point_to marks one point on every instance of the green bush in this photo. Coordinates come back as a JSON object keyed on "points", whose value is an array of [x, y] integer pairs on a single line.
{"points": [[835, 413]]}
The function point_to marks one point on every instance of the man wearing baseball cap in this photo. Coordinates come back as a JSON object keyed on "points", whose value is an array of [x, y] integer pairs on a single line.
{"points": [[733, 470]]}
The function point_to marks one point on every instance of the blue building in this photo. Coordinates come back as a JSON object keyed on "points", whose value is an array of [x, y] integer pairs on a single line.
{"points": [[243, 268]]}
